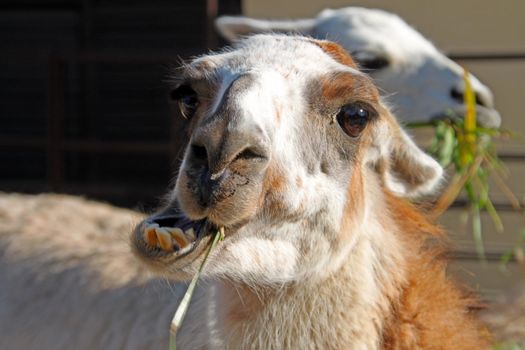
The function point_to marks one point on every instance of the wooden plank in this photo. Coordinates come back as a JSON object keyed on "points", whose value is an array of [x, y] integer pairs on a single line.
{"points": [[460, 231], [514, 180], [489, 278], [469, 26]]}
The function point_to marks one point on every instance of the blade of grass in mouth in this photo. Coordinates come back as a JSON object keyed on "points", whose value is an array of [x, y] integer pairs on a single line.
{"points": [[185, 302]]}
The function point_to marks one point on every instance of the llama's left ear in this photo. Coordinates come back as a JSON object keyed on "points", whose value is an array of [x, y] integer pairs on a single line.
{"points": [[405, 169], [232, 28]]}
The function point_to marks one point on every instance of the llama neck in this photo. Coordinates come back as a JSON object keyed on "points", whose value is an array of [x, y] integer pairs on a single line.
{"points": [[346, 310]]}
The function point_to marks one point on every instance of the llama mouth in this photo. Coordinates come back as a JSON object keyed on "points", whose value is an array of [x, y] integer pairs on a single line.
{"points": [[487, 117], [176, 234]]}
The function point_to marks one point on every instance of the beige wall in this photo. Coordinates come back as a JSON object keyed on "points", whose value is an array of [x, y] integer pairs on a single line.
{"points": [[461, 26], [458, 26]]}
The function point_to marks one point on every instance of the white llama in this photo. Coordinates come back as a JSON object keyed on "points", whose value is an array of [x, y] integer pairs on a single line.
{"points": [[421, 82]]}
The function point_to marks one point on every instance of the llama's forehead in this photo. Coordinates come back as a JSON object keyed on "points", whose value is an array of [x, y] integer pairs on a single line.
{"points": [[364, 29], [293, 57]]}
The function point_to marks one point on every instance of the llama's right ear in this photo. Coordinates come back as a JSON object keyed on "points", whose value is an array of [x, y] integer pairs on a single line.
{"points": [[232, 28], [405, 169]]}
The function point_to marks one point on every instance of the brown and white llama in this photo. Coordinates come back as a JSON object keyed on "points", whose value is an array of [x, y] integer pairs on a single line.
{"points": [[293, 152]]}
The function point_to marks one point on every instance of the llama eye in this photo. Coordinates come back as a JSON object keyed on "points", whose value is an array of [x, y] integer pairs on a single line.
{"points": [[187, 99], [353, 118], [369, 61]]}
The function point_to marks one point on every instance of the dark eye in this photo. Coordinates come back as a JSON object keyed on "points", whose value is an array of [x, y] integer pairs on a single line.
{"points": [[353, 118], [368, 61], [187, 99]]}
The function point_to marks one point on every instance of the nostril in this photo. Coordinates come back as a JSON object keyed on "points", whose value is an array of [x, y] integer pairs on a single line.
{"points": [[460, 97], [199, 152], [480, 101], [247, 154], [456, 95]]}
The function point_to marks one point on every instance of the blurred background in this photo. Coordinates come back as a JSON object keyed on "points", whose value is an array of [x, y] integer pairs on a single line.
{"points": [[84, 107]]}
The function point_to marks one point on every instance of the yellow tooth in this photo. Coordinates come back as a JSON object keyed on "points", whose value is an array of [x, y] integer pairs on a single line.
{"points": [[178, 236], [190, 233], [150, 236], [164, 238]]}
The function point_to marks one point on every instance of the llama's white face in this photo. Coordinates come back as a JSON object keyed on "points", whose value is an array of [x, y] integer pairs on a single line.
{"points": [[420, 82], [284, 133]]}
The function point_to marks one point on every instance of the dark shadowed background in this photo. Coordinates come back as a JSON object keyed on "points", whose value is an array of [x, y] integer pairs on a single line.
{"points": [[83, 99]]}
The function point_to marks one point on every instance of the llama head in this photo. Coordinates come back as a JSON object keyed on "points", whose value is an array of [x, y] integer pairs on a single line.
{"points": [[290, 145], [422, 83]]}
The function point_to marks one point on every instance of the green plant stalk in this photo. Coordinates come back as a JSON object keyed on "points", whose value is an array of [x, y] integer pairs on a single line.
{"points": [[185, 302], [470, 123]]}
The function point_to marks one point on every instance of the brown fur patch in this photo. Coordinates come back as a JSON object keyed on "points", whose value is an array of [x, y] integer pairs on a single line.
{"points": [[348, 87], [432, 312], [336, 52]]}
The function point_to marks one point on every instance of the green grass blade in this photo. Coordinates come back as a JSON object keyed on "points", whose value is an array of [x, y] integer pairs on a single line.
{"points": [[185, 302]]}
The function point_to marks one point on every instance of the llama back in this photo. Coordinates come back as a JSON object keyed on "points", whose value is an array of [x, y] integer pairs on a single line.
{"points": [[69, 281]]}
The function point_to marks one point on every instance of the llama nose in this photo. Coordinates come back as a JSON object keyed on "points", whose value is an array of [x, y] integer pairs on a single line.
{"points": [[223, 164], [219, 157], [231, 137], [481, 98], [220, 150]]}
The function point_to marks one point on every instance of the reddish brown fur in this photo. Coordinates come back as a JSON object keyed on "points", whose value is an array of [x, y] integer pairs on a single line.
{"points": [[336, 52], [338, 87], [348, 85], [432, 312]]}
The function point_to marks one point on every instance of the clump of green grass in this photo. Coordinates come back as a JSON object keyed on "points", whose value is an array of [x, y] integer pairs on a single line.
{"points": [[469, 149]]}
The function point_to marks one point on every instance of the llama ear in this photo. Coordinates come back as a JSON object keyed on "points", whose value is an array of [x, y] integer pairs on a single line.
{"points": [[405, 169], [232, 28]]}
